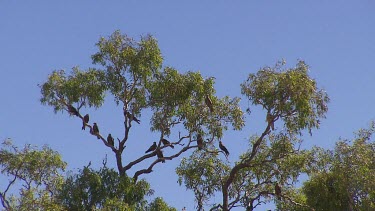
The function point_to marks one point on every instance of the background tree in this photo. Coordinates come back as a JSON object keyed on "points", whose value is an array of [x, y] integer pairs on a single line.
{"points": [[36, 173], [131, 72], [102, 189], [159, 205], [35, 183], [344, 178], [291, 100]]}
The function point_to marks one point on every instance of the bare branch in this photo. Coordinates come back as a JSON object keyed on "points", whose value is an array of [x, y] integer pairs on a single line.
{"points": [[296, 203], [4, 201], [132, 163], [149, 169]]}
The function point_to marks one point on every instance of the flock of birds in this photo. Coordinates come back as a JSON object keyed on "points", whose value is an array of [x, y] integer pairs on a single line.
{"points": [[154, 147], [110, 140]]}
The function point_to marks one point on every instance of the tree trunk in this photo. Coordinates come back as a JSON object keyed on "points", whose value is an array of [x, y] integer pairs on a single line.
{"points": [[119, 162], [225, 199]]}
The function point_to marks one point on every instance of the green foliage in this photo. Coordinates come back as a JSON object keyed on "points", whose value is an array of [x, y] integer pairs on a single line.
{"points": [[81, 87], [131, 71], [36, 172], [203, 173], [159, 205], [296, 201], [129, 66], [278, 160], [324, 193], [102, 190], [177, 97], [290, 95], [346, 176]]}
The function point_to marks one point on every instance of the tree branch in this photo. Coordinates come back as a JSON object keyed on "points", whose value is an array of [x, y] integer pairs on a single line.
{"points": [[132, 163], [243, 164], [149, 169], [296, 203]]}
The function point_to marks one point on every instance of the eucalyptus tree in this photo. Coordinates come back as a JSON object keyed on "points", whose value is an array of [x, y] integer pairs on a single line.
{"points": [[270, 167], [31, 177], [343, 178], [183, 105], [102, 189]]}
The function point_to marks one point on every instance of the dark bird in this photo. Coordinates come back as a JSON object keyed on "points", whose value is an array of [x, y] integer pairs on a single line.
{"points": [[270, 121], [133, 118], [208, 102], [159, 153], [110, 140], [200, 141], [222, 147], [166, 142], [278, 191], [72, 110], [95, 130], [152, 148], [86, 119], [136, 120]]}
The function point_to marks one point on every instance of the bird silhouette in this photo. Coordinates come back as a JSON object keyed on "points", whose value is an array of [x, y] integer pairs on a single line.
{"points": [[270, 121], [86, 119], [110, 140], [278, 191], [72, 110], [208, 102], [222, 147], [200, 141], [166, 142], [95, 130], [136, 120], [131, 117], [152, 148], [159, 153]]}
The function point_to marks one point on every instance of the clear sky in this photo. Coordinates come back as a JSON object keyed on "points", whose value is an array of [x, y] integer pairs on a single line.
{"points": [[227, 40]]}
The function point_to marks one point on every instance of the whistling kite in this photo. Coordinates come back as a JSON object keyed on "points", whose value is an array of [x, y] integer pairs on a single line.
{"points": [[152, 148]]}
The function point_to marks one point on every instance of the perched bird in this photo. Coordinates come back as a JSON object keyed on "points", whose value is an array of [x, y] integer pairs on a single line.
{"points": [[152, 147], [166, 142], [110, 140], [269, 119], [133, 118], [72, 110], [136, 120], [278, 191], [208, 102], [86, 119], [200, 141], [95, 130], [222, 147], [159, 153]]}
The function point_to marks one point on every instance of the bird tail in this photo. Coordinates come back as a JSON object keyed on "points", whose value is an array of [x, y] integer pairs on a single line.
{"points": [[171, 146], [83, 126]]}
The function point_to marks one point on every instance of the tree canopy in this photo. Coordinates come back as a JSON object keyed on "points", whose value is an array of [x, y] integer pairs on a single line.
{"points": [[191, 121], [37, 173], [131, 71], [290, 99], [343, 178], [184, 109]]}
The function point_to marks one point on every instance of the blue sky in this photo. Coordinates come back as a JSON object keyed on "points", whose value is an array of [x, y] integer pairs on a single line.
{"points": [[218, 38]]}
